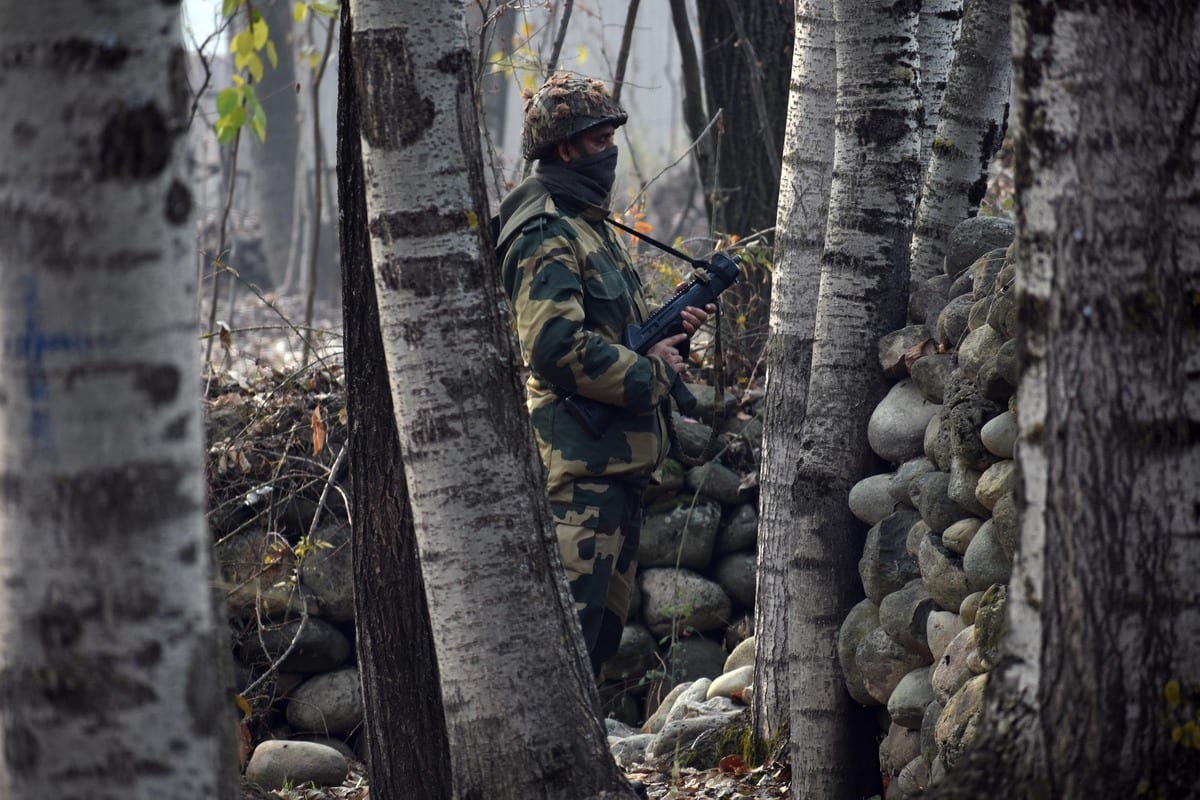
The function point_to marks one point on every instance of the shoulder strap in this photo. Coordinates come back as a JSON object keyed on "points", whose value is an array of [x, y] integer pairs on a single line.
{"points": [[666, 248]]}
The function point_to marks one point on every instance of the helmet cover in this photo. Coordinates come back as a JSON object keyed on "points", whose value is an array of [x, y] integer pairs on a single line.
{"points": [[566, 106]]}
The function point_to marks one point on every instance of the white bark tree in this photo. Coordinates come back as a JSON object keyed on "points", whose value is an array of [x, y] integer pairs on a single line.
{"points": [[938, 32], [1098, 693], [496, 590], [864, 279], [799, 240], [971, 129], [108, 656], [404, 729]]}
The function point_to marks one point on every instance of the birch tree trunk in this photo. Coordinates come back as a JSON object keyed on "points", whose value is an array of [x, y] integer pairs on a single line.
{"points": [[1098, 694], [799, 240], [108, 656], [971, 129], [495, 586], [864, 273], [407, 751], [938, 34]]}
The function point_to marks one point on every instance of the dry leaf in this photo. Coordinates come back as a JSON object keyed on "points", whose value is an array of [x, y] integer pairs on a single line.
{"points": [[919, 350], [226, 337], [245, 745], [318, 429], [733, 765]]}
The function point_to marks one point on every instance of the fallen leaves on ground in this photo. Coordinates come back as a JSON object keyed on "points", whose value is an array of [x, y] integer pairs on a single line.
{"points": [[731, 781]]}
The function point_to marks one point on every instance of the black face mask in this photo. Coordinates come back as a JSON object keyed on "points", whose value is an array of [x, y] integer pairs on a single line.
{"points": [[588, 179]]}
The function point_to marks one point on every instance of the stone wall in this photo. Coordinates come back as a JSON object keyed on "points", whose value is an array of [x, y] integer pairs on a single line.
{"points": [[943, 522], [291, 607]]}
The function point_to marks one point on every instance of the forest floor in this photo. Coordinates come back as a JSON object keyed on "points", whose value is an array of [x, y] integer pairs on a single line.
{"points": [[728, 783]]}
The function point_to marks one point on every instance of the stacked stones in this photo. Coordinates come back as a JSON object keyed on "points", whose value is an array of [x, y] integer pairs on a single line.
{"points": [[944, 524], [693, 605], [696, 562]]}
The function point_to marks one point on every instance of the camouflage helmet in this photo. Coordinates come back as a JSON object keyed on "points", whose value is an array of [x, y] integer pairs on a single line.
{"points": [[565, 106]]}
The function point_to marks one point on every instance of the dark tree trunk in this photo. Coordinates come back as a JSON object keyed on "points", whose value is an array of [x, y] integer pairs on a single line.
{"points": [[747, 57], [408, 752], [273, 161]]}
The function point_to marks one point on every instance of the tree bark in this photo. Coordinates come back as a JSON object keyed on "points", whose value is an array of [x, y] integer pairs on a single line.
{"points": [[494, 582], [938, 34], [694, 114], [974, 116], [108, 640], [862, 295], [746, 49], [1098, 686], [799, 241], [273, 163], [407, 751]]}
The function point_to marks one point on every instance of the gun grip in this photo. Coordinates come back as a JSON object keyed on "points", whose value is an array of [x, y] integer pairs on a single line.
{"points": [[683, 397]]}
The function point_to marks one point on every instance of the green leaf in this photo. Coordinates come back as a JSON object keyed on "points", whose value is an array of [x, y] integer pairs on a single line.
{"points": [[230, 6], [272, 56], [326, 10], [228, 100], [260, 128], [300, 12], [228, 125]]}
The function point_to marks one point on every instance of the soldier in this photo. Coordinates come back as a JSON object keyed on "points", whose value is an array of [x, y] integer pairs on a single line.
{"points": [[573, 289]]}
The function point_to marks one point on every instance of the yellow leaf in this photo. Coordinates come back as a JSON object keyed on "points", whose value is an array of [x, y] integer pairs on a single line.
{"points": [[318, 431], [526, 30], [242, 44], [472, 220], [300, 12], [243, 706], [260, 33], [238, 80], [272, 56], [583, 54], [1173, 694], [255, 65]]}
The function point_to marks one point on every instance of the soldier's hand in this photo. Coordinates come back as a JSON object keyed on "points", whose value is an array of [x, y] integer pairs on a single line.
{"points": [[694, 317], [666, 350]]}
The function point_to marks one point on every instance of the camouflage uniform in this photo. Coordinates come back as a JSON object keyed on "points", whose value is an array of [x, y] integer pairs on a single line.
{"points": [[573, 289]]}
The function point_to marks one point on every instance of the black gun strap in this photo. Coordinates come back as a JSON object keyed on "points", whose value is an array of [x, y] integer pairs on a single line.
{"points": [[666, 248]]}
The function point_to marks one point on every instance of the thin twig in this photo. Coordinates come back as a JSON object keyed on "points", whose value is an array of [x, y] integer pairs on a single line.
{"points": [[623, 54], [333, 470], [695, 143], [315, 223], [556, 51], [216, 292]]}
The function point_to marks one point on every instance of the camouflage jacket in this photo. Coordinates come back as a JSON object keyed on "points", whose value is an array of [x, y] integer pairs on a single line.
{"points": [[572, 290]]}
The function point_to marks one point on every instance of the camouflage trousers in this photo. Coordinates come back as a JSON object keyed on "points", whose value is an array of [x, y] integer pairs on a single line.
{"points": [[598, 523]]}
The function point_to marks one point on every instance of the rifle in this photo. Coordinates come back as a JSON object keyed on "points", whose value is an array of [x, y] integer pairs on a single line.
{"points": [[708, 281]]}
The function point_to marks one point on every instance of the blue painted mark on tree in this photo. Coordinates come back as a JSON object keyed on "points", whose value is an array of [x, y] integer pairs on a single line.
{"points": [[32, 346]]}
